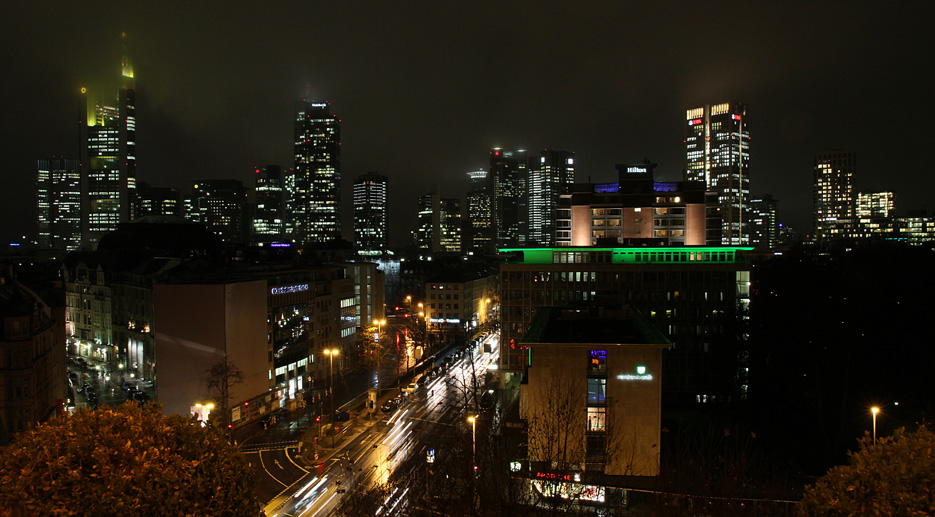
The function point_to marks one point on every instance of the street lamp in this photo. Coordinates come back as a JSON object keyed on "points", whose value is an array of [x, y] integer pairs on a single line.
{"points": [[331, 353], [379, 352], [473, 421], [874, 410]]}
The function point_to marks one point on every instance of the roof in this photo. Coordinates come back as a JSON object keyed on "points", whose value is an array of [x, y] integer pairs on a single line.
{"points": [[592, 325]]}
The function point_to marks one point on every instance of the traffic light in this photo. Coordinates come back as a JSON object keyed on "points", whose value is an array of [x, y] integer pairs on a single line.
{"points": [[317, 419]]}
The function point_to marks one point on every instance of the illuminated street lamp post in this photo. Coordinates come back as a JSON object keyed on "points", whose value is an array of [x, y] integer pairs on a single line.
{"points": [[874, 410], [379, 352], [473, 421], [331, 353]]}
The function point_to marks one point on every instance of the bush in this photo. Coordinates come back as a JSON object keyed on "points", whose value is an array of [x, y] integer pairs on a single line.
{"points": [[894, 477], [128, 460]]}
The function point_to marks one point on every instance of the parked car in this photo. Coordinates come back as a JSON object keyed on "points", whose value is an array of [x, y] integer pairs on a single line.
{"points": [[411, 387], [390, 405]]}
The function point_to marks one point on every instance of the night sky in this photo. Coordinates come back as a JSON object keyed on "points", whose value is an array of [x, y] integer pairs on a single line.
{"points": [[424, 90]]}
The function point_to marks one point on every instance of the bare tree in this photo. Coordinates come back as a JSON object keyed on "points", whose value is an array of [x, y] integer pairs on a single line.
{"points": [[371, 343], [363, 493], [220, 378]]}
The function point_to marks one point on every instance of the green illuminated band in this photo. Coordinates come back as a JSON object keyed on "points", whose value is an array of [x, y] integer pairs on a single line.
{"points": [[641, 255]]}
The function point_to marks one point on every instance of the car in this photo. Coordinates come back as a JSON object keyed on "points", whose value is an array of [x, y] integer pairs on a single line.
{"points": [[411, 387], [422, 380], [390, 405]]}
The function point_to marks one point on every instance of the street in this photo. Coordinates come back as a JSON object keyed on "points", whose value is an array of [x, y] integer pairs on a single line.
{"points": [[370, 455]]}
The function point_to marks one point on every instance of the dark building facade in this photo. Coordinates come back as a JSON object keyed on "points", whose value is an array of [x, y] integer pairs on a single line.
{"points": [[221, 205], [158, 201], [32, 360], [694, 295]]}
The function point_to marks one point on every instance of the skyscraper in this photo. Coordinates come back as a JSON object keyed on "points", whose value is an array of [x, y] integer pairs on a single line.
{"points": [[315, 185], [58, 203], [439, 223], [717, 152], [876, 204], [834, 194], [269, 221], [507, 186], [478, 238], [370, 237], [764, 224], [550, 174], [108, 159], [157, 201], [221, 206]]}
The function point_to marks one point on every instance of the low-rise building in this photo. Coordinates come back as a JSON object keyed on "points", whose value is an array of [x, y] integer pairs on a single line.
{"points": [[592, 400], [32, 360]]}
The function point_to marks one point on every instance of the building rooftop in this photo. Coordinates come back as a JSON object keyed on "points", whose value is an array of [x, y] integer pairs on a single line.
{"points": [[592, 325]]}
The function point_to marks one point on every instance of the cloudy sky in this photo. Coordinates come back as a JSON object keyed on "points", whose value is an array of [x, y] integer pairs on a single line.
{"points": [[425, 89]]}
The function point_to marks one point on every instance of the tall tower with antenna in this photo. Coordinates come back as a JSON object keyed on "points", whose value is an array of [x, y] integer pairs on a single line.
{"points": [[108, 156]]}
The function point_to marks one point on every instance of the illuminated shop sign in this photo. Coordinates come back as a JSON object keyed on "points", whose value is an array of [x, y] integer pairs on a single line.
{"points": [[694, 122], [280, 245], [444, 320], [638, 170], [558, 477], [641, 375], [289, 289]]}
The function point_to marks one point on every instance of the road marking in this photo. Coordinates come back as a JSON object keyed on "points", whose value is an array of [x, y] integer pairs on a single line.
{"points": [[432, 421], [270, 473], [294, 463]]}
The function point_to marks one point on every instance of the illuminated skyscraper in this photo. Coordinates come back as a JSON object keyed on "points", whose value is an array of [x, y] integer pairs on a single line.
{"points": [[269, 221], [507, 187], [157, 201], [876, 204], [370, 236], [834, 194], [478, 239], [221, 206], [717, 152], [108, 159], [549, 175], [764, 224], [439, 221], [58, 201], [315, 186]]}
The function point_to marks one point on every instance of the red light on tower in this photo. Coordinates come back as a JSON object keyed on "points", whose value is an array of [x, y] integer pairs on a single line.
{"points": [[246, 403]]}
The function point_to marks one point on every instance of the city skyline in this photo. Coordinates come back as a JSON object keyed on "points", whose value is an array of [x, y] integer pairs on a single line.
{"points": [[424, 94]]}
